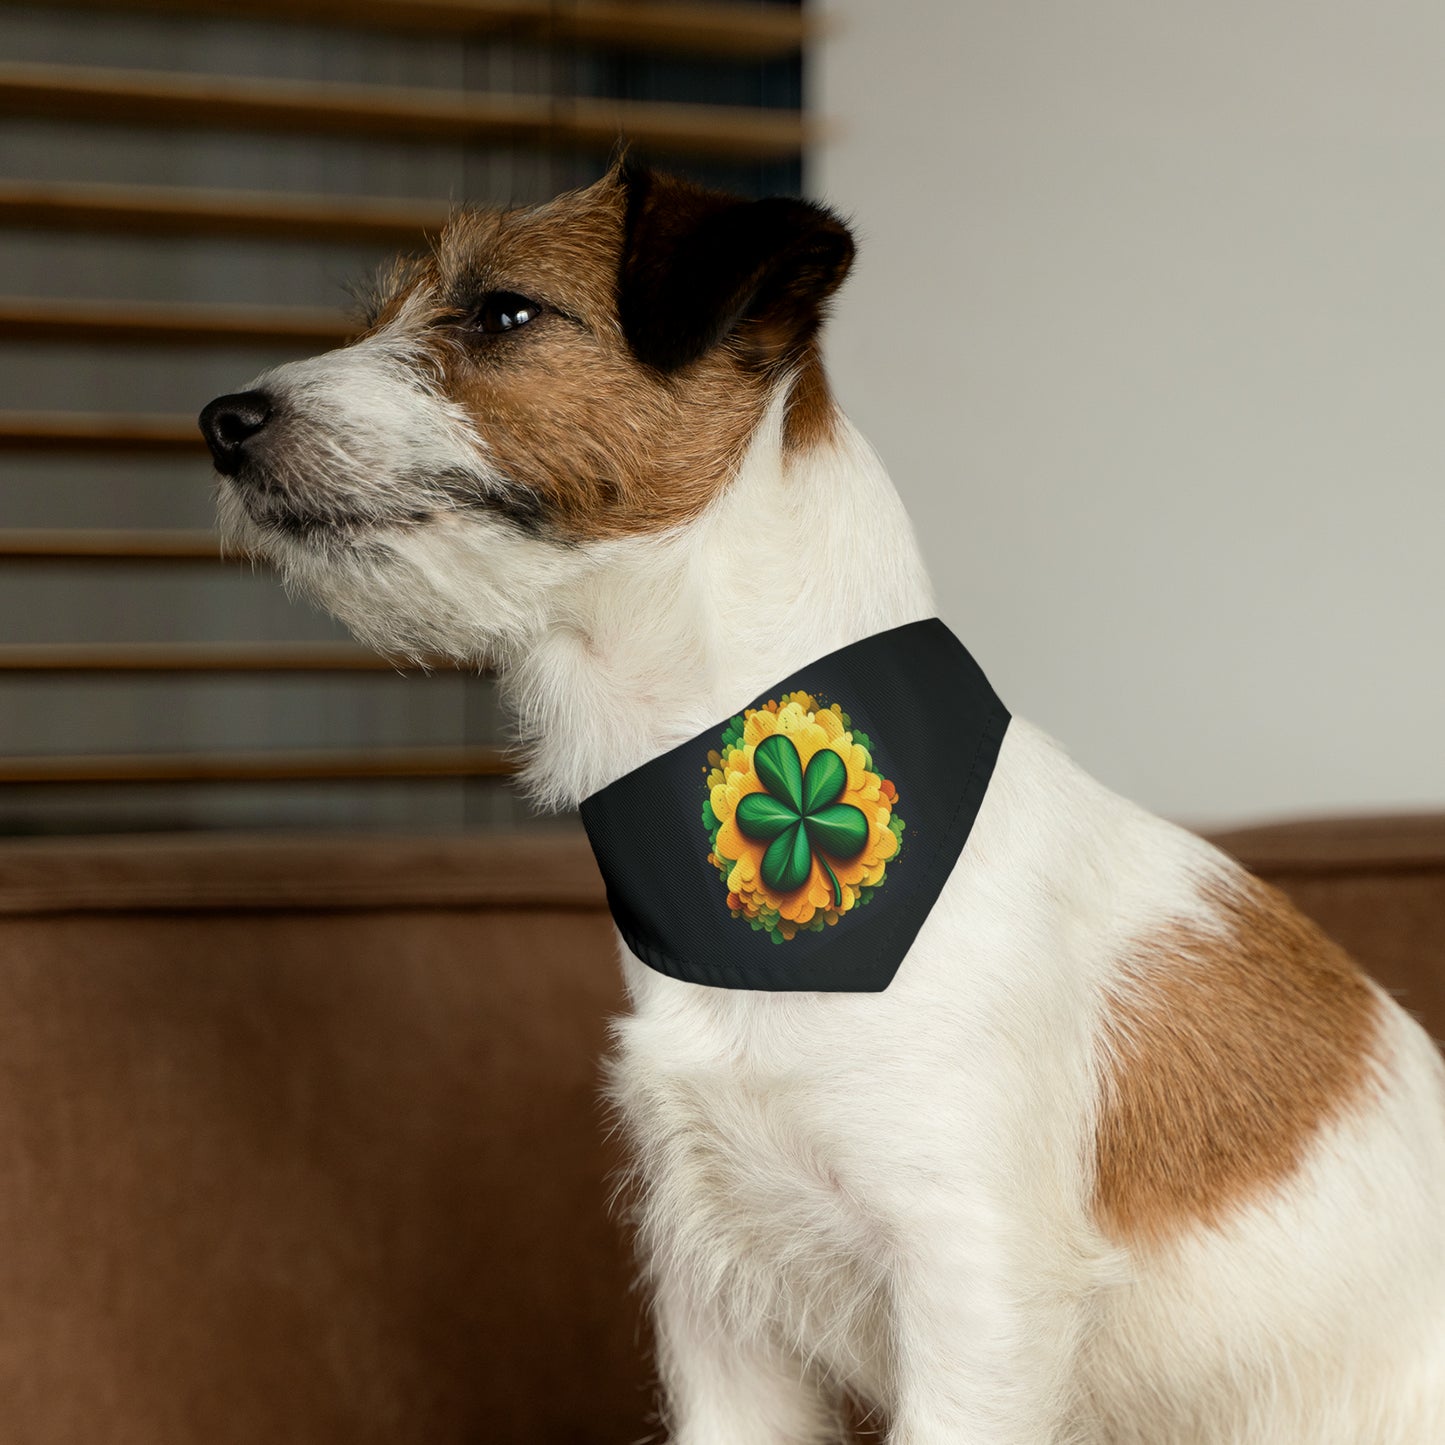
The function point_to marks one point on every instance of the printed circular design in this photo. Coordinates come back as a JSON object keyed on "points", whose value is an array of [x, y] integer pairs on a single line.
{"points": [[801, 827]]}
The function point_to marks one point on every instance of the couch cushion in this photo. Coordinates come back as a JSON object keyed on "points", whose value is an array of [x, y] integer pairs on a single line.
{"points": [[303, 1139], [303, 1143]]}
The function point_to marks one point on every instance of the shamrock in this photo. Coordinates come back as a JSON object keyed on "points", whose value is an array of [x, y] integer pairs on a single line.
{"points": [[800, 817]]}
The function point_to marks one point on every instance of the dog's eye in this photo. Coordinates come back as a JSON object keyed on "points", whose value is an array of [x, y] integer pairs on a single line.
{"points": [[504, 311]]}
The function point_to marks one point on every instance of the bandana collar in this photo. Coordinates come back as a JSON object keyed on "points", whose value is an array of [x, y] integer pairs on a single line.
{"points": [[745, 858]]}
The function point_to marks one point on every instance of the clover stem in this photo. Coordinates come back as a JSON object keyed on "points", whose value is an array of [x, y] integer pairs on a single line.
{"points": [[833, 879]]}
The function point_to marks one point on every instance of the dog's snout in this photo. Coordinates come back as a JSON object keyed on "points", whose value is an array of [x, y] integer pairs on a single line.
{"points": [[229, 422]]}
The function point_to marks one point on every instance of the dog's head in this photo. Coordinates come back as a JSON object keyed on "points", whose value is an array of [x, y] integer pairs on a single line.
{"points": [[547, 385]]}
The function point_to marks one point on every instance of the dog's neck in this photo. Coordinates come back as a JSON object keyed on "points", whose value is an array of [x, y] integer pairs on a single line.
{"points": [[664, 637]]}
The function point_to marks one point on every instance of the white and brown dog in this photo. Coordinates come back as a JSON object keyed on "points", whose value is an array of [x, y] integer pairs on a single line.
{"points": [[1128, 1152]]}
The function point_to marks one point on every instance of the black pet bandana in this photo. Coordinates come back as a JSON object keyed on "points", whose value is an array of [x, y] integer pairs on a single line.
{"points": [[801, 845]]}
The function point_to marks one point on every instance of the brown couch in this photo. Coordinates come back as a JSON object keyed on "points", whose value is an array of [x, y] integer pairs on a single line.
{"points": [[301, 1140]]}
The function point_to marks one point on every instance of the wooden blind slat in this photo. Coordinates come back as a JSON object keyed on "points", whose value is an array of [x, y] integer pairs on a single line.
{"points": [[201, 657], [171, 323], [175, 210], [742, 31], [76, 544], [705, 29], [326, 765], [78, 431], [113, 97], [217, 102]]}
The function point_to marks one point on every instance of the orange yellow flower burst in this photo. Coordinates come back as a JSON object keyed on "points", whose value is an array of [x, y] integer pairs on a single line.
{"points": [[819, 901]]}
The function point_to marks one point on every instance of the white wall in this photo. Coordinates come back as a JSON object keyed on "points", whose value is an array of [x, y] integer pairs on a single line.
{"points": [[1149, 323]]}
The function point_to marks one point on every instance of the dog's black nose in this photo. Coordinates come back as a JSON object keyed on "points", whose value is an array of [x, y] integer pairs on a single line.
{"points": [[229, 422]]}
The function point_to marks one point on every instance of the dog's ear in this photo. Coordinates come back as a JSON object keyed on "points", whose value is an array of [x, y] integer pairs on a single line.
{"points": [[699, 266]]}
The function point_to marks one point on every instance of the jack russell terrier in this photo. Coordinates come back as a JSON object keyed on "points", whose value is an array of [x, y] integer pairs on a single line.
{"points": [[1076, 1134]]}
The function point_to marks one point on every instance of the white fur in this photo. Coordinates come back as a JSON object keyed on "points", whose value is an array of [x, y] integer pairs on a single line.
{"points": [[890, 1194]]}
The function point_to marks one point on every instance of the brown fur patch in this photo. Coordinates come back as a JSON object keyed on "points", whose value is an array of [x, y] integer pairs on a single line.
{"points": [[812, 413], [607, 446], [597, 444], [1226, 1054]]}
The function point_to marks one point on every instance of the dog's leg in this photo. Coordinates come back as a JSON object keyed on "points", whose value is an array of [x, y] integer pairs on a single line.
{"points": [[720, 1388], [982, 1354]]}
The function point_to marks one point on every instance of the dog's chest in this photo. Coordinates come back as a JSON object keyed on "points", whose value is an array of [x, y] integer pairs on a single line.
{"points": [[744, 1185]]}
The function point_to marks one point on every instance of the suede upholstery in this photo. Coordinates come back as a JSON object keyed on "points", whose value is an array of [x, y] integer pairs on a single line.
{"points": [[302, 1137]]}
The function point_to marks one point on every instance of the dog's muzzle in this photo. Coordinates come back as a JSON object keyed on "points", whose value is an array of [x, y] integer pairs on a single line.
{"points": [[230, 422]]}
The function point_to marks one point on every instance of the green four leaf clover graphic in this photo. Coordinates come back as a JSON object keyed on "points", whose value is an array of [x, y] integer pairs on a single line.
{"points": [[800, 817]]}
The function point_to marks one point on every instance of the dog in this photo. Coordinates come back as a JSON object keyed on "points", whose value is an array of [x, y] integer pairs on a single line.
{"points": [[1127, 1153]]}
